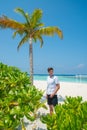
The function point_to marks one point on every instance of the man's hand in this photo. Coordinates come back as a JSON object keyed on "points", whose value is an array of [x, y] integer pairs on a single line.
{"points": [[51, 96], [55, 91], [46, 96]]}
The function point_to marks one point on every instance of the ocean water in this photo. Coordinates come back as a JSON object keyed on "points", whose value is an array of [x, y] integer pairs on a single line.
{"points": [[64, 78]]}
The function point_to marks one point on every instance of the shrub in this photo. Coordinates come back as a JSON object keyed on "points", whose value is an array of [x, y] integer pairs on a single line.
{"points": [[72, 115], [18, 98]]}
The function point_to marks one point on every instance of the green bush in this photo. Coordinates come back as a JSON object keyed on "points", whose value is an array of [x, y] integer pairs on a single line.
{"points": [[18, 98], [72, 115]]}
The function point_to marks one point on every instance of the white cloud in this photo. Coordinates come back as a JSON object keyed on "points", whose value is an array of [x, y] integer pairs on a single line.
{"points": [[80, 66]]}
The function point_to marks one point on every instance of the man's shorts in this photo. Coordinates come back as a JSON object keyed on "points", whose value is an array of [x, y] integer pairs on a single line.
{"points": [[52, 101]]}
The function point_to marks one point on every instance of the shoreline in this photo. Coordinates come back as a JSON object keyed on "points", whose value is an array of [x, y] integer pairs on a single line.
{"points": [[72, 78], [35, 80]]}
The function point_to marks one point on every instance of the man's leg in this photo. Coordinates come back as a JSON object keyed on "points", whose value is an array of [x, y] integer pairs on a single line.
{"points": [[51, 109]]}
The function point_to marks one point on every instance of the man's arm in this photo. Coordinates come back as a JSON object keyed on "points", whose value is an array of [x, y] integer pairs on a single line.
{"points": [[55, 91]]}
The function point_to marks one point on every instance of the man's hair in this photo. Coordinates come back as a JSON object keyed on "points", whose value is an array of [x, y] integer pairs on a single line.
{"points": [[49, 69]]}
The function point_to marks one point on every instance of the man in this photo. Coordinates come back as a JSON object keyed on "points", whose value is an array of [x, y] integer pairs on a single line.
{"points": [[52, 87]]}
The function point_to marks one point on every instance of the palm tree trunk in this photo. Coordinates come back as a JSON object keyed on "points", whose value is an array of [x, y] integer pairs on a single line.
{"points": [[31, 59]]}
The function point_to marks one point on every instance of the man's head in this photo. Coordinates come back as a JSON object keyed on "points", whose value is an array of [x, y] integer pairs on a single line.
{"points": [[50, 71]]}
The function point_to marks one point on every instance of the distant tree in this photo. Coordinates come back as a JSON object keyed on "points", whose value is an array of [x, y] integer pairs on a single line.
{"points": [[31, 30]]}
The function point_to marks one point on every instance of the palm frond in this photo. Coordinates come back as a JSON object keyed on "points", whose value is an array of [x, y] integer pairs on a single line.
{"points": [[40, 25], [10, 23], [18, 32], [26, 15], [38, 37], [36, 17], [41, 41], [24, 39], [50, 31]]}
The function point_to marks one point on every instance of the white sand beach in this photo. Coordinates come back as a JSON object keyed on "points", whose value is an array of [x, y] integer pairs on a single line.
{"points": [[66, 89]]}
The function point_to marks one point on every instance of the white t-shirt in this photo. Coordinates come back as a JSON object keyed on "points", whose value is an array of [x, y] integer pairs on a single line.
{"points": [[51, 84]]}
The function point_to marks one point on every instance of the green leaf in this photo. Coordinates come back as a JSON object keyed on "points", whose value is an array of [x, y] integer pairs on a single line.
{"points": [[71, 115], [18, 98]]}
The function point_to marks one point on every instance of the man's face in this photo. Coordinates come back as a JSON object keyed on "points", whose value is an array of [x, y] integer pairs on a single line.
{"points": [[51, 72]]}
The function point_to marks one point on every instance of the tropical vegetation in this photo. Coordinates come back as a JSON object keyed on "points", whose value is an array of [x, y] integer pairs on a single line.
{"points": [[71, 115], [31, 30], [18, 98]]}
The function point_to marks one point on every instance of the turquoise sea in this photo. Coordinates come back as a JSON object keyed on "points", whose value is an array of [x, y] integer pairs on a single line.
{"points": [[64, 78]]}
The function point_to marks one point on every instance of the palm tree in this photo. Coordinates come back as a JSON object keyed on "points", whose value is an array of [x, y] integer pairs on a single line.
{"points": [[31, 30]]}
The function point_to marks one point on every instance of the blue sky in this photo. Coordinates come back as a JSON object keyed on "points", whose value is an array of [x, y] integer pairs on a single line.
{"points": [[67, 56]]}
